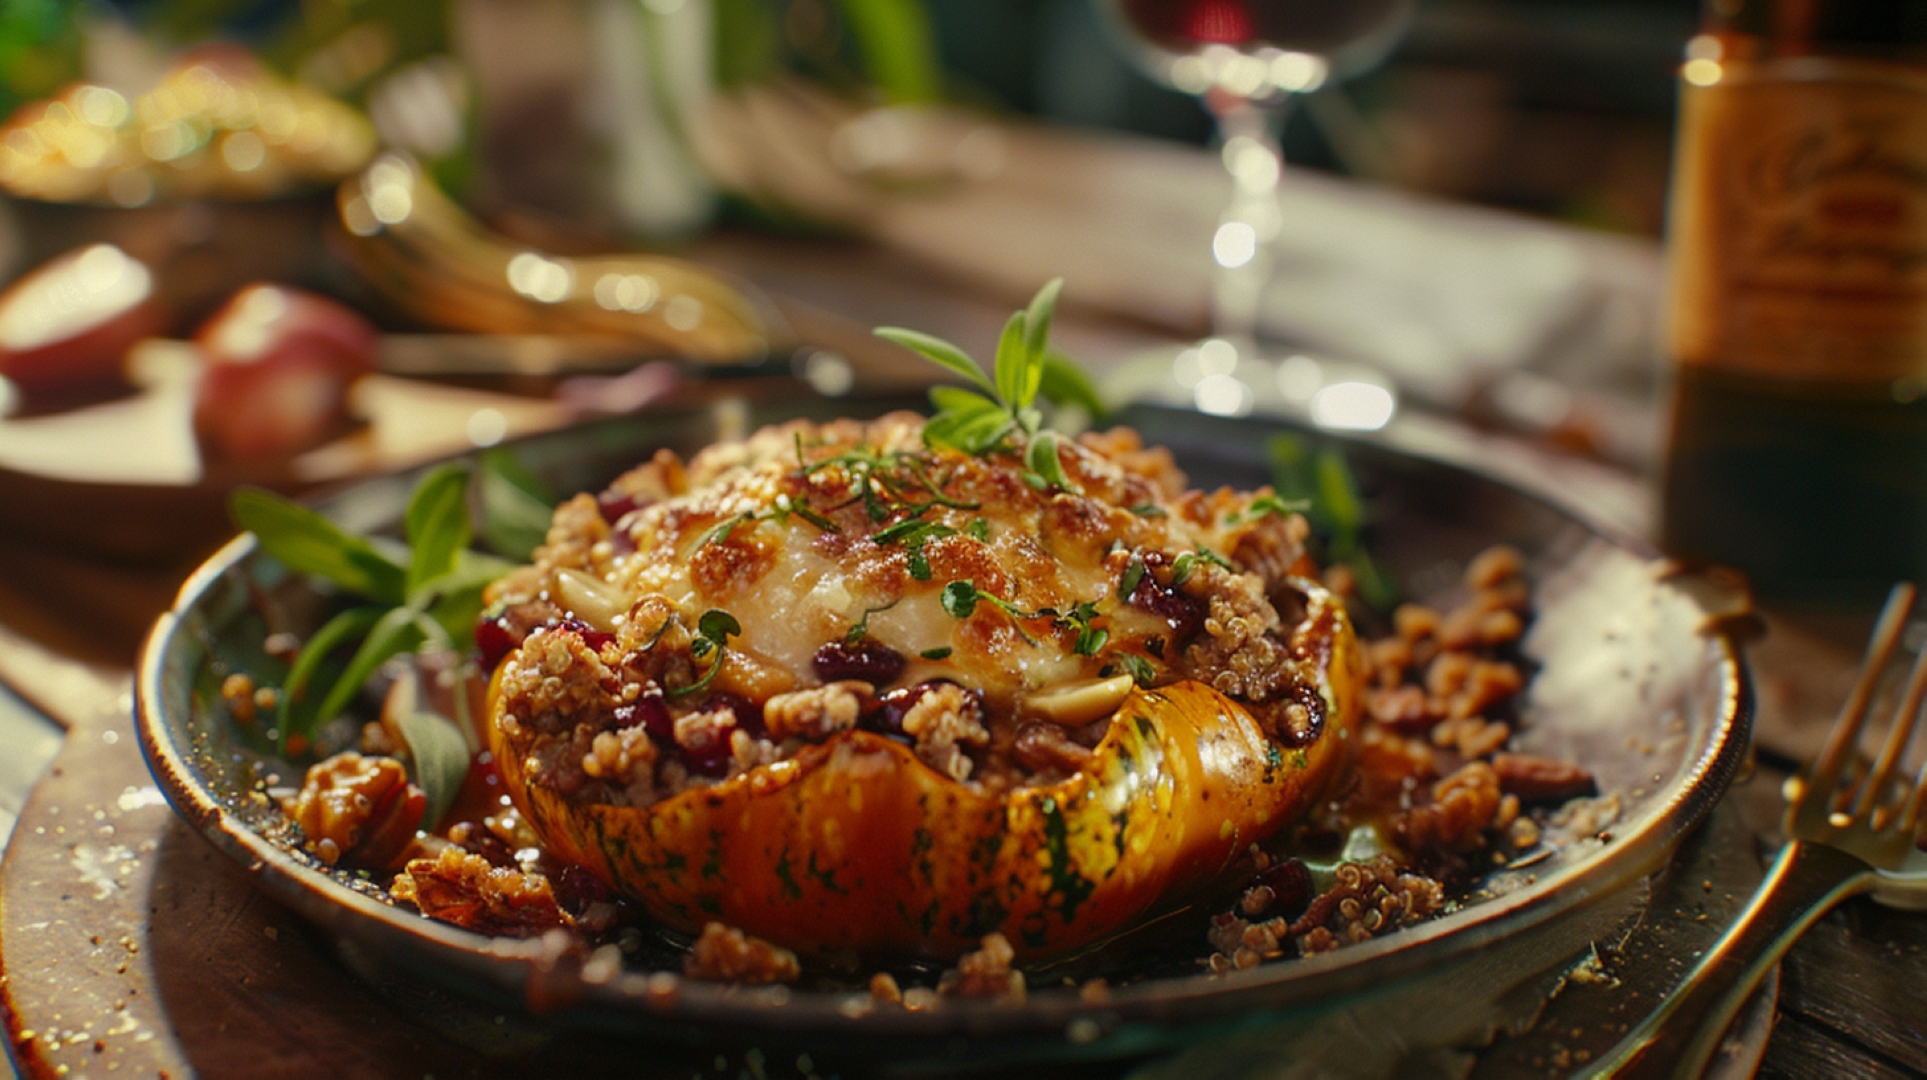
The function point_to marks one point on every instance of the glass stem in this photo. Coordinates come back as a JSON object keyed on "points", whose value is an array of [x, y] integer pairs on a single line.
{"points": [[1241, 249]]}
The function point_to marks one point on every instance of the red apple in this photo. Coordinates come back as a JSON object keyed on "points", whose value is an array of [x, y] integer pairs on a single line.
{"points": [[279, 364], [66, 326]]}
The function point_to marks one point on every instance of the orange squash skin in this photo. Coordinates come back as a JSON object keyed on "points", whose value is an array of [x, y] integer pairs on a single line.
{"points": [[854, 846]]}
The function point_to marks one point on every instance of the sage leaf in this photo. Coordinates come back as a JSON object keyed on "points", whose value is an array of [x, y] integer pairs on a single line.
{"points": [[1042, 458], [308, 543], [515, 510], [396, 632], [972, 433], [1037, 320], [1013, 364], [1065, 382], [939, 352], [1339, 492], [441, 757], [956, 399], [437, 523], [295, 717]]}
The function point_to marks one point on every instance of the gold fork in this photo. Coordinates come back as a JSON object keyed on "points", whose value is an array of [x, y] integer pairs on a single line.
{"points": [[1850, 831]]}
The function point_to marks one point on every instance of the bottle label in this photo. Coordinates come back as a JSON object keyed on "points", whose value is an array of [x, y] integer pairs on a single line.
{"points": [[1799, 222]]}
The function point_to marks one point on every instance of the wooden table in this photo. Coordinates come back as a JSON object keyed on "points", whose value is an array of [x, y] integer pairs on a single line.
{"points": [[131, 947]]}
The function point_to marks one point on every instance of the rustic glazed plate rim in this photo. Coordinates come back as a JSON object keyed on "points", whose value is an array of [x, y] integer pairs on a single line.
{"points": [[553, 979]]}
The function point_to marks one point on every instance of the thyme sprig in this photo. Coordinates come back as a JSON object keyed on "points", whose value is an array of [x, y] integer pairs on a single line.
{"points": [[912, 533], [1186, 564], [884, 482], [860, 629], [1268, 504], [713, 631], [779, 511], [960, 599]]}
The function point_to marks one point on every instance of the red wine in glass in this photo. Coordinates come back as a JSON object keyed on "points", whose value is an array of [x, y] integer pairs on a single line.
{"points": [[1349, 34], [1246, 60]]}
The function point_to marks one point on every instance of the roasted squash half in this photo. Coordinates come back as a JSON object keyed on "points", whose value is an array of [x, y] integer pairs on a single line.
{"points": [[854, 845]]}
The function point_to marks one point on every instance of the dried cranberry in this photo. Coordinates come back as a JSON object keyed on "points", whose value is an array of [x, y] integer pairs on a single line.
{"points": [[749, 715], [1291, 887], [651, 711], [576, 889], [866, 661], [1183, 614], [495, 639], [711, 761], [887, 717], [593, 638], [615, 505]]}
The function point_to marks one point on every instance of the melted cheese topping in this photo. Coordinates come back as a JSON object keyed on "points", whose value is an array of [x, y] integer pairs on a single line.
{"points": [[810, 534]]}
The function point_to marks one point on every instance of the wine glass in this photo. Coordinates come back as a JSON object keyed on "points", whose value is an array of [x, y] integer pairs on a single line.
{"points": [[1246, 60]]}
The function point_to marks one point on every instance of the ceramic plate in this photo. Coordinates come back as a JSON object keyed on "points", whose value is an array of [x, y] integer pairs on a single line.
{"points": [[1632, 677]]}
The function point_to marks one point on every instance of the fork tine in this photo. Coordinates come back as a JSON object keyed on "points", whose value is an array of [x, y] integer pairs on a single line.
{"points": [[1911, 813], [1902, 732], [1846, 728]]}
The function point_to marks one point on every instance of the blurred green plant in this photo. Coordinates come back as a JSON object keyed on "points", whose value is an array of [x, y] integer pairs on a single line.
{"points": [[40, 43], [885, 48], [1322, 481]]}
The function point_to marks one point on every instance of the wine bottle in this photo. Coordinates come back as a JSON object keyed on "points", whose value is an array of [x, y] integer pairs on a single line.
{"points": [[1797, 237]]}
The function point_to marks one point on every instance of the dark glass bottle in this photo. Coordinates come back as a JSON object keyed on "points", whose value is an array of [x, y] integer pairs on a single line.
{"points": [[1798, 244]]}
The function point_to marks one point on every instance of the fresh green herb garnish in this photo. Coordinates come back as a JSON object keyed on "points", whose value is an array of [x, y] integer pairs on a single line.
{"points": [[1002, 408], [1182, 568], [913, 533], [1140, 669], [1325, 483], [978, 530], [780, 510], [720, 532], [428, 594], [960, 599], [1066, 383], [941, 652], [861, 628], [713, 631], [516, 508], [886, 483], [1133, 577], [1187, 564], [1268, 503], [1149, 510], [1089, 638], [784, 506], [1044, 463], [441, 757]]}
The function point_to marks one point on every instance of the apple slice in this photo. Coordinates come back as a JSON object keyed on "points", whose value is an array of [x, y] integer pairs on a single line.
{"points": [[66, 326], [279, 364]]}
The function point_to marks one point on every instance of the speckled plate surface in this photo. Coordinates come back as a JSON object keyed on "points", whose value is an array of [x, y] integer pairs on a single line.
{"points": [[1632, 678]]}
